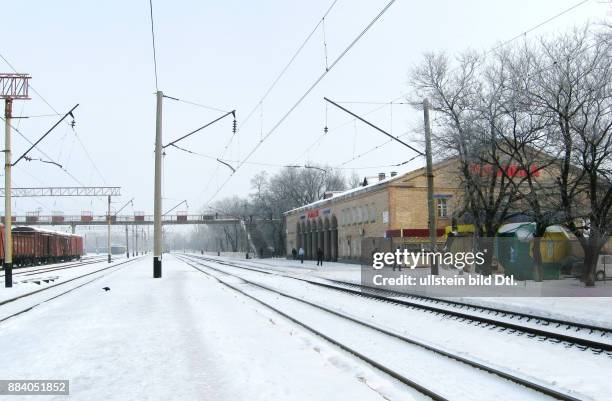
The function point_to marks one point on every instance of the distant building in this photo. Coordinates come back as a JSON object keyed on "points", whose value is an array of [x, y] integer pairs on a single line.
{"points": [[393, 207]]}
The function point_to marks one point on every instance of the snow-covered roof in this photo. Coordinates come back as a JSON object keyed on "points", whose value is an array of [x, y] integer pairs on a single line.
{"points": [[362, 189], [43, 230]]}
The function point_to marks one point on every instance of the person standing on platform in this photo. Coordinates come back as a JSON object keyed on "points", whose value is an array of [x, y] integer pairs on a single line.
{"points": [[301, 254], [319, 257]]}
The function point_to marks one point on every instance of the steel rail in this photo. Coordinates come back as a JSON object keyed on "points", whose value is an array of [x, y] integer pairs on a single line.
{"points": [[489, 369]]}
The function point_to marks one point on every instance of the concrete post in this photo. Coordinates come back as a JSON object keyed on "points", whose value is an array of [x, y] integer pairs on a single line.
{"points": [[127, 242], [157, 207], [8, 216], [108, 230], [430, 185]]}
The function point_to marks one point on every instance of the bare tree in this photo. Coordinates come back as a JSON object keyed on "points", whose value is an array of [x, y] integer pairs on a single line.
{"points": [[465, 128], [572, 84], [289, 189], [531, 128]]}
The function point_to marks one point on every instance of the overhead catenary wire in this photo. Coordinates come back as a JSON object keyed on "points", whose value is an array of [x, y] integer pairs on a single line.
{"points": [[380, 145], [195, 104], [351, 120], [58, 113], [264, 164], [153, 43], [522, 34], [45, 154], [305, 94], [259, 104], [286, 67]]}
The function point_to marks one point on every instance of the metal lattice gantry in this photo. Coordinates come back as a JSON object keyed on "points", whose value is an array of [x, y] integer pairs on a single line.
{"points": [[14, 86], [63, 191]]}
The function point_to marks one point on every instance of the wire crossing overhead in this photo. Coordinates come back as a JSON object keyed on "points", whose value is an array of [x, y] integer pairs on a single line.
{"points": [[43, 137], [304, 95], [233, 113], [395, 138], [153, 42], [63, 191], [259, 104]]}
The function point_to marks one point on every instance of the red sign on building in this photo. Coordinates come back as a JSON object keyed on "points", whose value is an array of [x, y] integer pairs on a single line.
{"points": [[313, 213], [511, 171]]}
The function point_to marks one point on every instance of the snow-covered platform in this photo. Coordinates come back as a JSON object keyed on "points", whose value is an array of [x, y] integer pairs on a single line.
{"points": [[182, 337]]}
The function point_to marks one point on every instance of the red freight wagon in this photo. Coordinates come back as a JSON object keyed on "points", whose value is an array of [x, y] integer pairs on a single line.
{"points": [[35, 246]]}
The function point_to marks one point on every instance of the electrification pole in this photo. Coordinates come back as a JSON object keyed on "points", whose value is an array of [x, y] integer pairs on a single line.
{"points": [[8, 216], [108, 230], [431, 211], [134, 241], [429, 169], [157, 204], [127, 243], [12, 86]]}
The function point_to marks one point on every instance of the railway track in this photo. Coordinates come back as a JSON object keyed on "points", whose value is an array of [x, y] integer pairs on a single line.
{"points": [[22, 303], [443, 360], [28, 271], [597, 339]]}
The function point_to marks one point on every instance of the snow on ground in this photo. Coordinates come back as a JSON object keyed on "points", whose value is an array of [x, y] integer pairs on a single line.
{"points": [[182, 337], [588, 310], [542, 362], [24, 279]]}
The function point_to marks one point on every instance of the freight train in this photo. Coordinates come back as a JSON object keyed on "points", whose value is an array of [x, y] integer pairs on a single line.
{"points": [[32, 246]]}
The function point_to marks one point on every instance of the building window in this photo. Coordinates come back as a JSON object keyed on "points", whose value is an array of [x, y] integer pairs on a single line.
{"points": [[443, 208]]}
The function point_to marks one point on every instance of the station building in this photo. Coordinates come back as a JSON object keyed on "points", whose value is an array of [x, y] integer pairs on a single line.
{"points": [[394, 207]]}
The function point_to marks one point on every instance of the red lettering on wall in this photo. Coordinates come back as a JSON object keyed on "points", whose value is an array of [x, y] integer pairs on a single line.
{"points": [[313, 214], [511, 171]]}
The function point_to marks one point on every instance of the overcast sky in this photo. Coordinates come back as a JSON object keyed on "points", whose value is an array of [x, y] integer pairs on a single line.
{"points": [[225, 54]]}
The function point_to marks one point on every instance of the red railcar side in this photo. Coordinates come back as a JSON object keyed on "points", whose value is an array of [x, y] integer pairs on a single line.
{"points": [[33, 246]]}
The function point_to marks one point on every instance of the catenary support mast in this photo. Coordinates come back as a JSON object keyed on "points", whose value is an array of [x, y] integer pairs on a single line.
{"points": [[157, 204]]}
